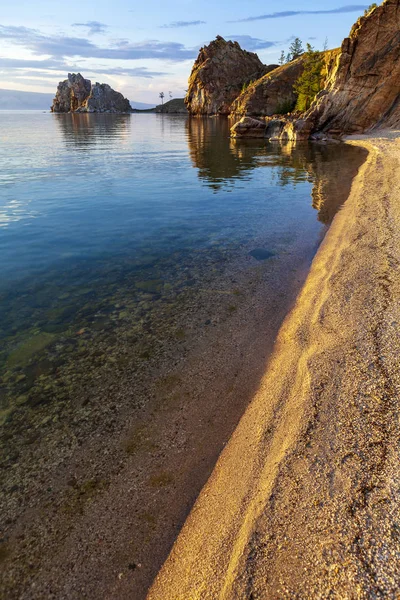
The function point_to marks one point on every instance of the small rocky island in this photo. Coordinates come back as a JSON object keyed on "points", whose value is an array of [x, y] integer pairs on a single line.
{"points": [[77, 95]]}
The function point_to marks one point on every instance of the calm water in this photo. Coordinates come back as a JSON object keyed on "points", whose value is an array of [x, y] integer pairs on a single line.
{"points": [[107, 221]]}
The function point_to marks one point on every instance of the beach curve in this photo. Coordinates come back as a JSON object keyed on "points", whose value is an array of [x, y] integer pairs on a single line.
{"points": [[302, 502]]}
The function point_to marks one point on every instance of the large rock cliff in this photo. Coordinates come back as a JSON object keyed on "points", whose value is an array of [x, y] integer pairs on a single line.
{"points": [[218, 76], [364, 90], [273, 93], [77, 94]]}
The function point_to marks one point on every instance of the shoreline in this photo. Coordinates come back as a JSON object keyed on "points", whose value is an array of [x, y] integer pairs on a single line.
{"points": [[307, 483], [128, 475]]}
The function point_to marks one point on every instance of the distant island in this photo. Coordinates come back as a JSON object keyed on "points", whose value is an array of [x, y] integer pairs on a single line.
{"points": [[18, 100], [77, 95]]}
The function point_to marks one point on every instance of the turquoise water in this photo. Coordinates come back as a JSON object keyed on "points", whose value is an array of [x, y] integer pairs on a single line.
{"points": [[108, 224]]}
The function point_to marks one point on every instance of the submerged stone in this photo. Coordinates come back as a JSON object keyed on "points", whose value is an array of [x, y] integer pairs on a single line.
{"points": [[261, 254], [153, 286], [24, 352]]}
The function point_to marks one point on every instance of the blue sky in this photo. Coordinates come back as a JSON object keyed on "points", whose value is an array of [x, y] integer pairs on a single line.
{"points": [[142, 48]]}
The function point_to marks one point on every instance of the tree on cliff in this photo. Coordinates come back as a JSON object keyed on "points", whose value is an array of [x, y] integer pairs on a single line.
{"points": [[282, 58], [310, 81], [295, 50], [368, 10], [161, 94]]}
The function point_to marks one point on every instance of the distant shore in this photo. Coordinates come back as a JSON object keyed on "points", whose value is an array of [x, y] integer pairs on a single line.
{"points": [[174, 106], [302, 502]]}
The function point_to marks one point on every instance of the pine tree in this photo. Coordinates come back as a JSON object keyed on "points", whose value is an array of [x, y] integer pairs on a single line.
{"points": [[282, 58], [368, 10], [310, 81], [295, 50]]}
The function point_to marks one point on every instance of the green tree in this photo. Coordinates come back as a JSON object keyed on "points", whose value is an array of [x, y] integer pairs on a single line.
{"points": [[310, 81], [295, 50], [368, 10], [282, 58]]}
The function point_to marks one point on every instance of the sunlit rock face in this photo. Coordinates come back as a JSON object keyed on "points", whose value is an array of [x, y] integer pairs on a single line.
{"points": [[271, 94], [274, 93], [364, 90], [218, 76], [248, 127], [76, 94]]}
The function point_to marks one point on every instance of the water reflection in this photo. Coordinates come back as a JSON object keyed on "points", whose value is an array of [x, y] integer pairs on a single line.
{"points": [[221, 159], [215, 155], [122, 240], [84, 131]]}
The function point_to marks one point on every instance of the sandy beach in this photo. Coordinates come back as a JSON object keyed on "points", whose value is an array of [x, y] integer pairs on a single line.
{"points": [[98, 483], [303, 502]]}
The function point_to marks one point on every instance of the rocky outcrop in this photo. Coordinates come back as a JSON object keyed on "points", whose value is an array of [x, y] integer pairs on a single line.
{"points": [[77, 94], [103, 98], [273, 94], [364, 90], [71, 93], [218, 76], [248, 127]]}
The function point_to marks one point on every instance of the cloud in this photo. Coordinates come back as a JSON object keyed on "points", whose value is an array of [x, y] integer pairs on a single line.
{"points": [[63, 46], [17, 63], [176, 24], [293, 13], [52, 67], [250, 43], [134, 72], [92, 26]]}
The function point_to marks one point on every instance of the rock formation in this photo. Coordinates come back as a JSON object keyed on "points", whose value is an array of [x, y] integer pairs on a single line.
{"points": [[77, 94], [248, 127], [218, 76], [364, 90], [274, 94], [71, 93]]}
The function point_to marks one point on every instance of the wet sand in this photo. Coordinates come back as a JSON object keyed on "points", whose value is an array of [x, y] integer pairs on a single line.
{"points": [[304, 499]]}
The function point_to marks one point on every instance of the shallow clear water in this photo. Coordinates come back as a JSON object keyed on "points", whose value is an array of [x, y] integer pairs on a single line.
{"points": [[107, 220]]}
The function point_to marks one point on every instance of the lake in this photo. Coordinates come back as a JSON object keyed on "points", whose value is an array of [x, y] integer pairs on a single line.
{"points": [[147, 262]]}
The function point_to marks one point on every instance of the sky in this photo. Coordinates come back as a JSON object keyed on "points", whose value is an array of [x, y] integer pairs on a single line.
{"points": [[142, 48]]}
